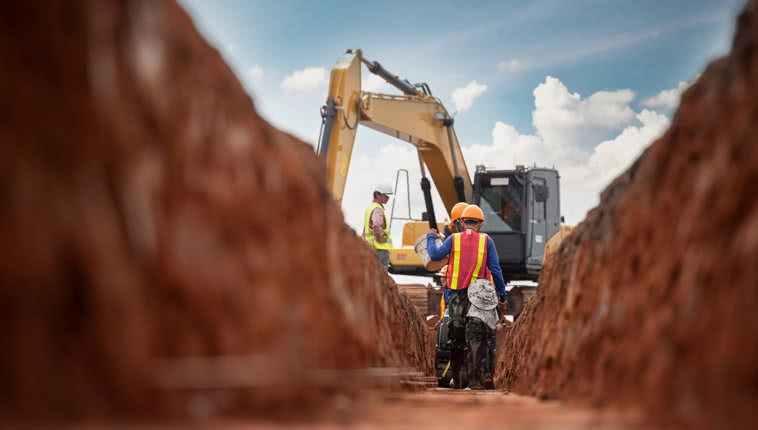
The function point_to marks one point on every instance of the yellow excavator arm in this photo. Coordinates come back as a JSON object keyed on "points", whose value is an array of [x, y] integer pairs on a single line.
{"points": [[416, 117], [419, 118]]}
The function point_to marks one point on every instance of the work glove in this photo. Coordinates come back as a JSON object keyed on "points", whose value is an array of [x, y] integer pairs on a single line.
{"points": [[501, 308]]}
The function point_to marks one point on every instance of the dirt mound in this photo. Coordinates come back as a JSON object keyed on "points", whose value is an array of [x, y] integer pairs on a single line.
{"points": [[163, 250], [652, 301]]}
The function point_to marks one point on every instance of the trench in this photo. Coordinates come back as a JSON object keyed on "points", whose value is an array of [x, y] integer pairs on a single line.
{"points": [[168, 255]]}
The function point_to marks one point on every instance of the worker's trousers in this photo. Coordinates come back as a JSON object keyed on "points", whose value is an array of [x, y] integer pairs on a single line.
{"points": [[473, 341], [458, 306], [480, 343], [384, 257]]}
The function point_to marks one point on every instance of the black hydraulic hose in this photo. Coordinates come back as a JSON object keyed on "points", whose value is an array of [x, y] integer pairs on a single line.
{"points": [[458, 183], [357, 115], [457, 178], [328, 114], [426, 188]]}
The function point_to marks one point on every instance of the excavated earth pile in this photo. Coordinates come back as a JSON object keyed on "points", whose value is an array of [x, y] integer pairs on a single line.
{"points": [[652, 301], [164, 251]]}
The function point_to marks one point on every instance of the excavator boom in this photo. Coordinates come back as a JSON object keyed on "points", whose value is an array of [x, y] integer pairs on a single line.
{"points": [[521, 206], [416, 117]]}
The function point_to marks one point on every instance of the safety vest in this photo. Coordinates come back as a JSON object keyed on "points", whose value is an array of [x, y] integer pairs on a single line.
{"points": [[468, 259], [368, 233]]}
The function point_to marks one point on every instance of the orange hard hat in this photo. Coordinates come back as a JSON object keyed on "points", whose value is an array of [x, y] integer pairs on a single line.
{"points": [[473, 212], [457, 210]]}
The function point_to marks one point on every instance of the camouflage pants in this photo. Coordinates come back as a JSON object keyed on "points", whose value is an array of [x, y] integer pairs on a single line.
{"points": [[481, 340], [469, 329], [477, 330], [458, 308]]}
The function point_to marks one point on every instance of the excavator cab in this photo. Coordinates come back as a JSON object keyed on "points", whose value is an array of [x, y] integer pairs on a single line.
{"points": [[521, 211]]}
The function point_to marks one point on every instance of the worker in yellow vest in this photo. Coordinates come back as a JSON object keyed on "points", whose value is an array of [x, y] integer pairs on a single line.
{"points": [[376, 227], [472, 256]]}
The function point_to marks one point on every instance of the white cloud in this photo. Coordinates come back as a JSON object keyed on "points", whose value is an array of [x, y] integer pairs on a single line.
{"points": [[667, 98], [374, 83], [513, 65], [254, 73], [464, 97], [577, 144], [569, 136], [307, 79], [564, 119], [611, 157]]}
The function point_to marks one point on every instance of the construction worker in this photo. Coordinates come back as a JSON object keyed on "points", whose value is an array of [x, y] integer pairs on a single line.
{"points": [[376, 228], [455, 219], [472, 256], [455, 226]]}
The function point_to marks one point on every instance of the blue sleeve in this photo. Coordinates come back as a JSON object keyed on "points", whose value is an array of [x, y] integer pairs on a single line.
{"points": [[493, 263], [435, 253]]}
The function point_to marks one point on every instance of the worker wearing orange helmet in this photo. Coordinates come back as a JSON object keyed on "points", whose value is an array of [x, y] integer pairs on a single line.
{"points": [[472, 256], [455, 217], [455, 226]]}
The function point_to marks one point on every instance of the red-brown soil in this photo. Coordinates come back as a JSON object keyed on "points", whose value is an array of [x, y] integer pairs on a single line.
{"points": [[652, 300], [431, 409], [150, 216], [165, 253]]}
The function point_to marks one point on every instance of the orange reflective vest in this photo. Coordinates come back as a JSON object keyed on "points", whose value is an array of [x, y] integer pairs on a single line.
{"points": [[468, 259]]}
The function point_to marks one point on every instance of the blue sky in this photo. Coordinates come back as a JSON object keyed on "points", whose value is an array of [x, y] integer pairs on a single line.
{"points": [[577, 84]]}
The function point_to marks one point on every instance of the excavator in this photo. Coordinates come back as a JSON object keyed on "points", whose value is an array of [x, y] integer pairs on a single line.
{"points": [[521, 205]]}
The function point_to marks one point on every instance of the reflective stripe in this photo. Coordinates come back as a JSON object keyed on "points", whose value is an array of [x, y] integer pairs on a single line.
{"points": [[468, 259], [442, 306], [456, 261], [368, 233], [480, 256]]}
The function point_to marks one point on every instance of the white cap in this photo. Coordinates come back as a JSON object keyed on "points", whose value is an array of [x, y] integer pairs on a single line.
{"points": [[383, 188]]}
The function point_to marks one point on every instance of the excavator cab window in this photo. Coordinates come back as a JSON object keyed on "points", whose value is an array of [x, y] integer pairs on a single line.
{"points": [[501, 200]]}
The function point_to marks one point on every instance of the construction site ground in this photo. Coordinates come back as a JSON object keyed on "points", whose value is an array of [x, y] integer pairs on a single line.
{"points": [[436, 408]]}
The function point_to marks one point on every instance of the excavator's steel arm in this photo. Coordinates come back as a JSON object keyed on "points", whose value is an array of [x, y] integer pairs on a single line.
{"points": [[340, 116], [420, 120]]}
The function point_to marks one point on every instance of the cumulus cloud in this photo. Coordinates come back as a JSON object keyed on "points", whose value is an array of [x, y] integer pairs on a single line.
{"points": [[513, 65], [611, 157], [307, 79], [254, 73], [590, 140], [667, 98], [464, 97], [563, 118], [571, 134], [375, 84]]}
